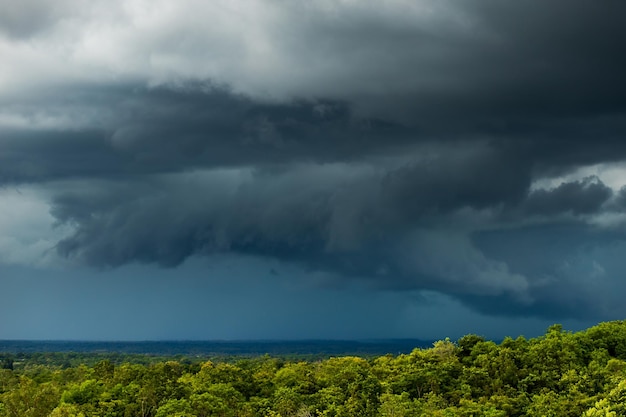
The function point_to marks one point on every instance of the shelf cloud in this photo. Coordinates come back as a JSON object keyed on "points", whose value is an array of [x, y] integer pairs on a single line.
{"points": [[462, 148]]}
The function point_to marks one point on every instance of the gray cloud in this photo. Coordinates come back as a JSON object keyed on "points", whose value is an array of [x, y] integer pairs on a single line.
{"points": [[30, 17], [139, 130], [395, 144], [576, 268], [580, 197], [407, 232], [313, 216]]}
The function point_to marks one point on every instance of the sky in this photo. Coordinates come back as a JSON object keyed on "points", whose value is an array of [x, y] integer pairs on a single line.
{"points": [[336, 169]]}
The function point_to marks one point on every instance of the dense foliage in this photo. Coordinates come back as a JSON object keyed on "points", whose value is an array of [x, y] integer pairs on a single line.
{"points": [[558, 374]]}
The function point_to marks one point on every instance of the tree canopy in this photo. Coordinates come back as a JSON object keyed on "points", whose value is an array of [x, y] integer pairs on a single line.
{"points": [[558, 374]]}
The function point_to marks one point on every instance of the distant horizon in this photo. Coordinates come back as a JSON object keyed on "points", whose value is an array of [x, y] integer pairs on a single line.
{"points": [[228, 348], [209, 340], [295, 340]]}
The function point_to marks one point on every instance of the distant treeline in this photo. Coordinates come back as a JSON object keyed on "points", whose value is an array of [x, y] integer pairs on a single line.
{"points": [[558, 374], [220, 348]]}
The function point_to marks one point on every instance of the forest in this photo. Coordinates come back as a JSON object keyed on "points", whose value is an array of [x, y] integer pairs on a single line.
{"points": [[560, 373]]}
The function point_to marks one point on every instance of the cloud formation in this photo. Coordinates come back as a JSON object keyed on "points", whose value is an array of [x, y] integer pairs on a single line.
{"points": [[403, 144]]}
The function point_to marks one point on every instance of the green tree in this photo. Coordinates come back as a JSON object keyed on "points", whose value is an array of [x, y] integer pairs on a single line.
{"points": [[29, 399]]}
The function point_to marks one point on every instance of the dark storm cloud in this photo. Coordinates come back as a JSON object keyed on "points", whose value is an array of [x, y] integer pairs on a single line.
{"points": [[487, 64], [356, 221], [579, 197], [197, 125], [41, 156], [576, 267], [620, 199], [404, 154]]}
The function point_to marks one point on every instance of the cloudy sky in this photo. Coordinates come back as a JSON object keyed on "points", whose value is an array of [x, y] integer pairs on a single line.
{"points": [[290, 169]]}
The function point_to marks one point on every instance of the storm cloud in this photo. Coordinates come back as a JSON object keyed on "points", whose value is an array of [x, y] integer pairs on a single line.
{"points": [[474, 149]]}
